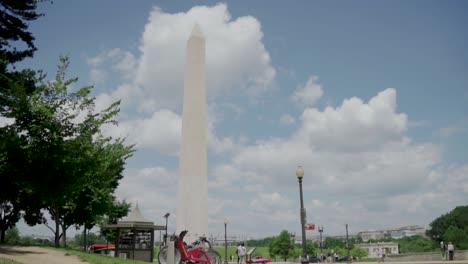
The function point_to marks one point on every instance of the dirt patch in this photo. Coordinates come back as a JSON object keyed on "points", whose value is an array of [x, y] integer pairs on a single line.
{"points": [[37, 255]]}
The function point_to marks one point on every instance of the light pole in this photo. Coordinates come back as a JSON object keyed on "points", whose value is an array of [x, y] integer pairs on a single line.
{"points": [[320, 229], [166, 216], [299, 175], [347, 241], [225, 240]]}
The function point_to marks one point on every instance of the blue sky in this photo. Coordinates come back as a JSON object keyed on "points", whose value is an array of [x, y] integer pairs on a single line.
{"points": [[371, 97]]}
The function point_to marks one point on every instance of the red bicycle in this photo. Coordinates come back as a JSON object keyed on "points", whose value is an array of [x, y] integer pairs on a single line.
{"points": [[182, 255]]}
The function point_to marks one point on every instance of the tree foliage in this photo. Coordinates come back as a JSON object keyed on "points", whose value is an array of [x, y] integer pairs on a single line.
{"points": [[58, 136], [117, 210], [53, 155], [12, 236], [334, 243], [358, 252], [412, 244], [14, 22], [91, 238], [265, 242], [16, 43], [452, 226], [282, 246], [9, 216], [81, 168]]}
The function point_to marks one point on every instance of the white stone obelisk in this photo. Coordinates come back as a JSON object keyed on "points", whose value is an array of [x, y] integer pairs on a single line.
{"points": [[192, 196]]}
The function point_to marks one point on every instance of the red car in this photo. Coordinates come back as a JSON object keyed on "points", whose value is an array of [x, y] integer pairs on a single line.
{"points": [[259, 259]]}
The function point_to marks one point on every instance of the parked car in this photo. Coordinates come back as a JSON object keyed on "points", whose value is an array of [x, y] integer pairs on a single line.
{"points": [[314, 259], [101, 248], [346, 259], [259, 259]]}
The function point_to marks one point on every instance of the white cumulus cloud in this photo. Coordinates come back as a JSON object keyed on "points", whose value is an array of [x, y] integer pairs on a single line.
{"points": [[310, 93]]}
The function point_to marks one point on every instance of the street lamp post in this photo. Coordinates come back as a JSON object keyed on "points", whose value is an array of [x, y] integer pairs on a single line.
{"points": [[166, 216], [225, 241], [320, 229], [347, 240], [299, 175]]}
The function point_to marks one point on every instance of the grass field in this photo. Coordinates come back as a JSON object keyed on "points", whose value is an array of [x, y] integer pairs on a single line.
{"points": [[231, 251], [8, 261], [101, 259]]}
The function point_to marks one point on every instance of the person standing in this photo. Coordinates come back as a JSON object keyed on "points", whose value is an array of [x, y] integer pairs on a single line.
{"points": [[242, 252], [442, 249], [451, 250]]}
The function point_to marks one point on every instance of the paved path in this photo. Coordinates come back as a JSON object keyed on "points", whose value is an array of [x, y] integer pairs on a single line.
{"points": [[39, 255]]}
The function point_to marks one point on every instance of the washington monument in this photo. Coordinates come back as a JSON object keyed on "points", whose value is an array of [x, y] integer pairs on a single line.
{"points": [[192, 196]]}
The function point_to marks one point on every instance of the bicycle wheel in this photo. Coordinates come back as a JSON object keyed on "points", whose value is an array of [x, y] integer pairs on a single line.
{"points": [[162, 256], [215, 257]]}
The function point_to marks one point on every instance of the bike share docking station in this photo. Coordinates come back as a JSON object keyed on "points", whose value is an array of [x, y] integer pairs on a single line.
{"points": [[170, 242]]}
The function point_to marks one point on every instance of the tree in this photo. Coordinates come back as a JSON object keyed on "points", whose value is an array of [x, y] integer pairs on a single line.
{"points": [[311, 248], [282, 246], [333, 243], [413, 244], [457, 236], [60, 138], [118, 210], [358, 252], [52, 155], [16, 43], [86, 166], [451, 226], [14, 18], [9, 216]]}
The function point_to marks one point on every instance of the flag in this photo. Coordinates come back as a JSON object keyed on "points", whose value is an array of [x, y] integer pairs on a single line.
{"points": [[309, 227]]}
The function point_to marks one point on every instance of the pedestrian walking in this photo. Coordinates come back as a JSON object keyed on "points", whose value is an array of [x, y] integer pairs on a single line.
{"points": [[451, 250], [443, 248], [242, 252]]}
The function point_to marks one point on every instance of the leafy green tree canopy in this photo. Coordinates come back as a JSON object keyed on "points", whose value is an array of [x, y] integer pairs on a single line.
{"points": [[282, 246], [452, 226]]}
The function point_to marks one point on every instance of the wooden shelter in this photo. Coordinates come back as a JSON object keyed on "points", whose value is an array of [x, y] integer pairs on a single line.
{"points": [[135, 237]]}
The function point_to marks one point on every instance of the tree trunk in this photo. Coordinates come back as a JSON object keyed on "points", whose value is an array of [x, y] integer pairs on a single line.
{"points": [[85, 240], [2, 236], [64, 237], [57, 233]]}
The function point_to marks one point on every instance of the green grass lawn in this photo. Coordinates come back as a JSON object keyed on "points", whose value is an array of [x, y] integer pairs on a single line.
{"points": [[231, 251], [101, 259], [8, 261]]}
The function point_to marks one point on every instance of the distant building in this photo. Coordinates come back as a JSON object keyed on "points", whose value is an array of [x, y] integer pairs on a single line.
{"points": [[368, 235], [373, 249], [393, 233]]}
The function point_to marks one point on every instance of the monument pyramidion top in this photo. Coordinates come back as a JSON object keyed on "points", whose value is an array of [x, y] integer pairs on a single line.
{"points": [[135, 216], [196, 31]]}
